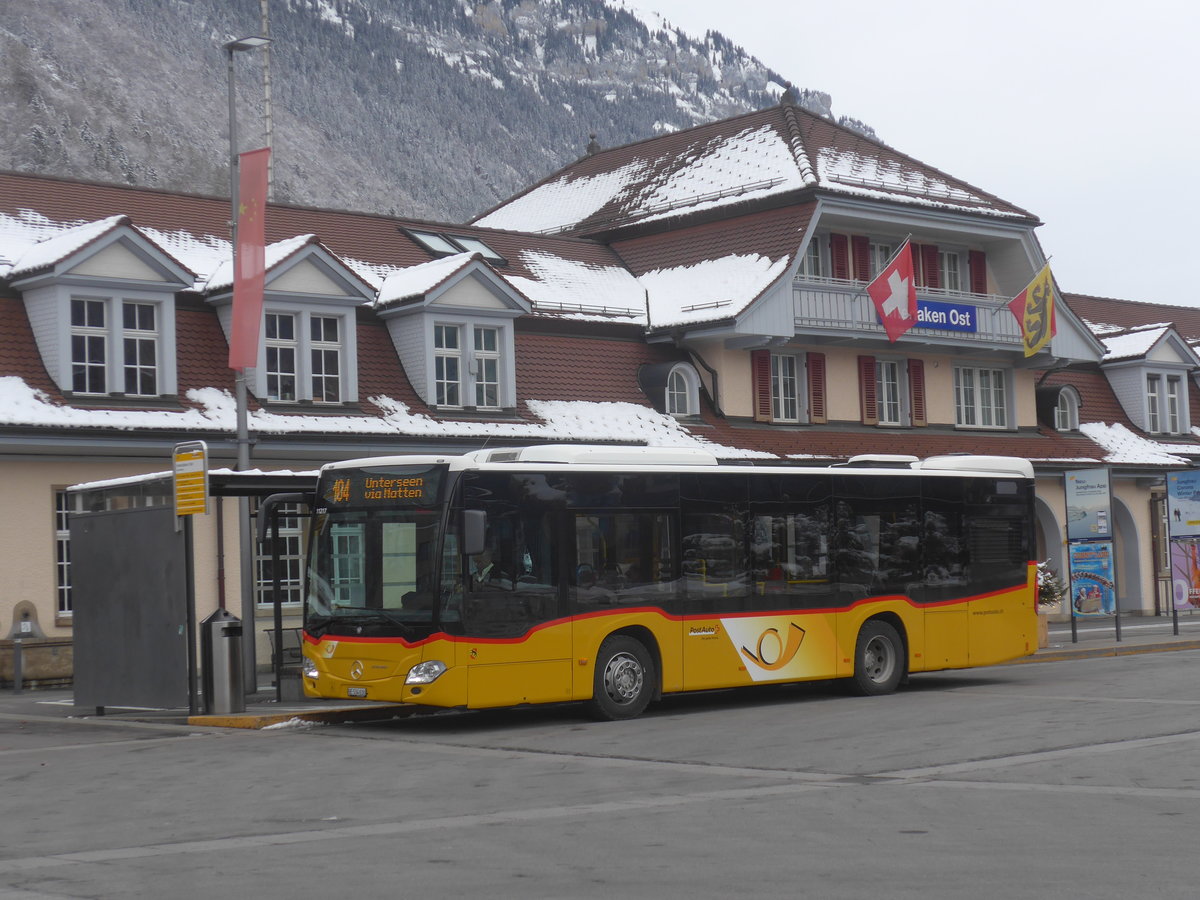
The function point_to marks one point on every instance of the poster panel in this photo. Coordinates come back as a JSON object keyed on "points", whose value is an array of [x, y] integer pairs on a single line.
{"points": [[1185, 574], [1093, 588], [1183, 504], [1089, 514]]}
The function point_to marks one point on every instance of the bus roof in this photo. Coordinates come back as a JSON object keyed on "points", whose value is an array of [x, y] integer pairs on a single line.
{"points": [[605, 455]]}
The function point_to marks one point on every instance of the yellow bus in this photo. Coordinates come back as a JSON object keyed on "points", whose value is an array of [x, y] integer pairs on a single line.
{"points": [[613, 575]]}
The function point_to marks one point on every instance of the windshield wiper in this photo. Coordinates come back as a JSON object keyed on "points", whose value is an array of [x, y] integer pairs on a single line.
{"points": [[361, 616]]}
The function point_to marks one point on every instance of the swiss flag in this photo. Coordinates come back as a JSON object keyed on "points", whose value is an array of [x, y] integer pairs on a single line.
{"points": [[894, 294]]}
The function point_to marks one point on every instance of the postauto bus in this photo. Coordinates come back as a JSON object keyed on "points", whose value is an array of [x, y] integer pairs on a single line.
{"points": [[613, 575]]}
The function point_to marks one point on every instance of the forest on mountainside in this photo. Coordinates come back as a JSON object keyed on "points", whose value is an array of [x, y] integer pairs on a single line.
{"points": [[425, 108]]}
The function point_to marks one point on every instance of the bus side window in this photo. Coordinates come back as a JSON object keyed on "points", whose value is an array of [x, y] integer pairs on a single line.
{"points": [[713, 525]]}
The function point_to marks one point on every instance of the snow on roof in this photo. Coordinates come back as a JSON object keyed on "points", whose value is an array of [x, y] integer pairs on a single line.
{"points": [[1123, 447], [57, 247], [710, 289], [150, 477], [560, 420], [559, 204], [599, 289], [1134, 343], [222, 275], [420, 279], [755, 162]]}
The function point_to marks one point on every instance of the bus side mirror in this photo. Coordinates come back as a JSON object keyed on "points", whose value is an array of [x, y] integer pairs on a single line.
{"points": [[474, 531]]}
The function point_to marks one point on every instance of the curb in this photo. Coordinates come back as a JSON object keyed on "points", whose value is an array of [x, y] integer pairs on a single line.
{"points": [[1083, 653], [330, 715]]}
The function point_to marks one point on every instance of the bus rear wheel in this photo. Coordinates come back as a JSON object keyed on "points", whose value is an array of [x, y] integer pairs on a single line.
{"points": [[624, 679], [878, 659]]}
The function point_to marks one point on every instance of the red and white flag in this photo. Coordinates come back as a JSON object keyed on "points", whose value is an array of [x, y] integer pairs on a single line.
{"points": [[250, 271], [894, 293]]}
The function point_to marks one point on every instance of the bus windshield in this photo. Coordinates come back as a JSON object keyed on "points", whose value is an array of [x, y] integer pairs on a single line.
{"points": [[372, 572]]}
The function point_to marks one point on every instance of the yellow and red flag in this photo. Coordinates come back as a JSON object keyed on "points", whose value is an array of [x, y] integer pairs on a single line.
{"points": [[1034, 311], [250, 272]]}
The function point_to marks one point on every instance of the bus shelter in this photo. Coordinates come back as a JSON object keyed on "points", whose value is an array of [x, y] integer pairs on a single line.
{"points": [[144, 577]]}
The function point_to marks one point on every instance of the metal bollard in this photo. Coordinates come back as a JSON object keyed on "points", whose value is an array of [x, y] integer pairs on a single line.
{"points": [[18, 666]]}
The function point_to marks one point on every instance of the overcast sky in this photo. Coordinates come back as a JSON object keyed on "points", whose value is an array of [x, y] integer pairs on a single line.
{"points": [[1083, 112]]}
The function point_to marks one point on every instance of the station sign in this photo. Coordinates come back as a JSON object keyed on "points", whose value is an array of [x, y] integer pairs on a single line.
{"points": [[190, 465]]}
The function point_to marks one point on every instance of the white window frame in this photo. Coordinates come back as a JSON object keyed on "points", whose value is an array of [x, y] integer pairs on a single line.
{"points": [[135, 340], [880, 254], [891, 410], [119, 357], [311, 350], [485, 366], [291, 561], [787, 387], [682, 391], [323, 350], [445, 358], [65, 503], [93, 336], [975, 403], [810, 263], [278, 345], [950, 270], [1066, 410], [1166, 403], [1174, 416]]}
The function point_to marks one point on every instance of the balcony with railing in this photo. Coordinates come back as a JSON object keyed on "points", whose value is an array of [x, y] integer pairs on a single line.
{"points": [[840, 308]]}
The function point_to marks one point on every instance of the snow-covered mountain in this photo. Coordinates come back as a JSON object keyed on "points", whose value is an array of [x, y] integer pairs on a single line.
{"points": [[434, 108]]}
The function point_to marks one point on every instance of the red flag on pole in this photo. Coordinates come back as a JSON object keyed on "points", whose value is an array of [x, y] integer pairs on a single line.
{"points": [[249, 260], [894, 293]]}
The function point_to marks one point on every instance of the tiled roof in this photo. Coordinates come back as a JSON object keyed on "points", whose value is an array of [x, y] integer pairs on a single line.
{"points": [[195, 230], [1105, 313], [678, 267], [753, 157]]}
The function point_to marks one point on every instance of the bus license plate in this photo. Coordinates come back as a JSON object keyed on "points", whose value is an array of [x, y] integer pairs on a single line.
{"points": [[356, 692]]}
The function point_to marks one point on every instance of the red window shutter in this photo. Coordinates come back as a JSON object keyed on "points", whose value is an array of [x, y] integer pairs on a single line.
{"points": [[839, 255], [916, 391], [760, 379], [866, 390], [977, 261], [929, 266], [816, 388], [860, 251]]}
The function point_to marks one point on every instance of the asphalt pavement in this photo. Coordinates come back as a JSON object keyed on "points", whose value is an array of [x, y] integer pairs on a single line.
{"points": [[1090, 638]]}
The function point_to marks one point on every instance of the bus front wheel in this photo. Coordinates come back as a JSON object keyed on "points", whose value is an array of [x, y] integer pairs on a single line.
{"points": [[878, 659], [624, 679]]}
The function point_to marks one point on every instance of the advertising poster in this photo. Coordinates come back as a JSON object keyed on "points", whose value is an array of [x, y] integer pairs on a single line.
{"points": [[1185, 574], [1093, 589], [1089, 513], [1183, 504]]}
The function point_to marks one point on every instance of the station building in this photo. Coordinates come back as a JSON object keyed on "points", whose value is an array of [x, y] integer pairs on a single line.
{"points": [[705, 288]]}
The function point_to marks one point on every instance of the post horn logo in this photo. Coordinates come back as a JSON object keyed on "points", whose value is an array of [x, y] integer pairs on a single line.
{"points": [[773, 651]]}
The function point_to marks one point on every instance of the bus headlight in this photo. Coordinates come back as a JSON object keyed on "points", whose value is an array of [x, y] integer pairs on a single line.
{"points": [[309, 669], [426, 672]]}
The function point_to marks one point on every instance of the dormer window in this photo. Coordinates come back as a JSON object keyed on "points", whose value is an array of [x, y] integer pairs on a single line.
{"points": [[100, 324], [683, 391], [1164, 404], [1066, 410], [303, 354]]}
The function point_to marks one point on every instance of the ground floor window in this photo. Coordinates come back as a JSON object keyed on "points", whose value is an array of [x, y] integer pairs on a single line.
{"points": [[64, 505], [291, 543]]}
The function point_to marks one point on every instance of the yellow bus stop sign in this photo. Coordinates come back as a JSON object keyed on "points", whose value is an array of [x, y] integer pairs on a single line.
{"points": [[190, 463]]}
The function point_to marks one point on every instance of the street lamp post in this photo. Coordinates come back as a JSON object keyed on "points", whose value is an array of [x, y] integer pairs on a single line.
{"points": [[246, 556]]}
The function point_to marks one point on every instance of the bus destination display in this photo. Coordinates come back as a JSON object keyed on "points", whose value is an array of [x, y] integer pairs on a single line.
{"points": [[396, 487]]}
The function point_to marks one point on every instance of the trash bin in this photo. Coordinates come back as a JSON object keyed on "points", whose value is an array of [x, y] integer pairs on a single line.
{"points": [[221, 662]]}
